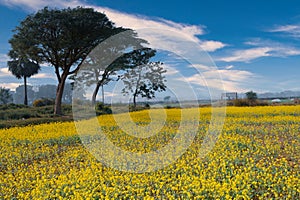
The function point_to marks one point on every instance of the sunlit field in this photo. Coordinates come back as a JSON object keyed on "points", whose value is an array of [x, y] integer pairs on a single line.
{"points": [[257, 156]]}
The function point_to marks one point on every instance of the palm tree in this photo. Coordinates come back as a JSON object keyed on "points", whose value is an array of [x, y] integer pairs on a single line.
{"points": [[22, 68]]}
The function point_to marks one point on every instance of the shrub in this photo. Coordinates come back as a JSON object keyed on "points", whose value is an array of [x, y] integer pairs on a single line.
{"points": [[241, 102], [17, 114], [247, 102], [102, 109], [43, 102], [12, 106]]}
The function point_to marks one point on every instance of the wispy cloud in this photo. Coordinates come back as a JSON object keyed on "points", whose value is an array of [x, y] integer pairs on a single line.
{"points": [[10, 85], [33, 5], [278, 49], [229, 67], [148, 28], [226, 78], [170, 69], [261, 48], [4, 72], [247, 54], [212, 46], [43, 75], [232, 80], [3, 58], [291, 30]]}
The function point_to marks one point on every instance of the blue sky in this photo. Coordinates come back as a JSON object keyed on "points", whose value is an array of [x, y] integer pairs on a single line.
{"points": [[255, 45]]}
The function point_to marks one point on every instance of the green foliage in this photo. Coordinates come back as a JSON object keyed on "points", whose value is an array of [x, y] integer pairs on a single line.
{"points": [[12, 106], [144, 80], [62, 39], [241, 102], [21, 115], [102, 109], [247, 102], [252, 96], [5, 96], [43, 102], [21, 67]]}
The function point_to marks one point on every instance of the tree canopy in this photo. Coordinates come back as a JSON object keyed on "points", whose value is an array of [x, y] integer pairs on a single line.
{"points": [[108, 60], [144, 80], [252, 96], [62, 39], [22, 68]]}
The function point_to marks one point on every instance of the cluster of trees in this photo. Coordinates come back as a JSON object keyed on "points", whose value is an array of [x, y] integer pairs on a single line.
{"points": [[67, 40]]}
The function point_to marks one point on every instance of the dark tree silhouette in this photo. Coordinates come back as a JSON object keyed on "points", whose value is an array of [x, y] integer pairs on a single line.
{"points": [[5, 96], [144, 80], [107, 61], [22, 68], [19, 94], [62, 39], [251, 96]]}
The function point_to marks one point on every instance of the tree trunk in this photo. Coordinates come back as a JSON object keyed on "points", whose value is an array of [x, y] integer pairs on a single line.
{"points": [[96, 92], [134, 99], [25, 92], [102, 94], [99, 83], [59, 94], [136, 89]]}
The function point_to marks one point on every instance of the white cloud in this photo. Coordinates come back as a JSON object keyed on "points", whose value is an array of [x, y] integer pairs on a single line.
{"points": [[261, 48], [11, 86], [170, 69], [247, 55], [232, 80], [211, 46], [4, 72], [43, 75], [159, 31], [3, 58], [33, 5], [292, 30], [148, 28], [229, 67], [277, 49]]}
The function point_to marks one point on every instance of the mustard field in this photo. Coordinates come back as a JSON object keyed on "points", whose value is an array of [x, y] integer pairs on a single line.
{"points": [[256, 156]]}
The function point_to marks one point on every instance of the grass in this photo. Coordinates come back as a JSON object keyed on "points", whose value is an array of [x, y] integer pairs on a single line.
{"points": [[20, 115]]}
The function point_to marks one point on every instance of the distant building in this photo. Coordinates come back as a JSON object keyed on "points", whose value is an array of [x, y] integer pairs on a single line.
{"points": [[229, 96], [276, 101]]}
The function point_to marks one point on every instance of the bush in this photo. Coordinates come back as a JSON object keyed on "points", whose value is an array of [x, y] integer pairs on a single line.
{"points": [[241, 102], [12, 106], [22, 113], [43, 102], [102, 109]]}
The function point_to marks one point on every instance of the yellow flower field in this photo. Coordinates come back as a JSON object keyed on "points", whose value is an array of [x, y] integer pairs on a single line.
{"points": [[257, 156]]}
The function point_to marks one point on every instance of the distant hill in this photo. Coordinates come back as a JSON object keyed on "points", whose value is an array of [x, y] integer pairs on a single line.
{"points": [[284, 94], [273, 95]]}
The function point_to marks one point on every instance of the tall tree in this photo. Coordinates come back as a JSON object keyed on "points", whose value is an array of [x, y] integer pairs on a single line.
{"points": [[5, 96], [19, 95], [107, 61], [22, 68], [251, 96], [144, 80], [62, 39]]}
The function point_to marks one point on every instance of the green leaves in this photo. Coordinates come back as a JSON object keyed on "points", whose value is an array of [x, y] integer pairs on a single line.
{"points": [[23, 68], [145, 79]]}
